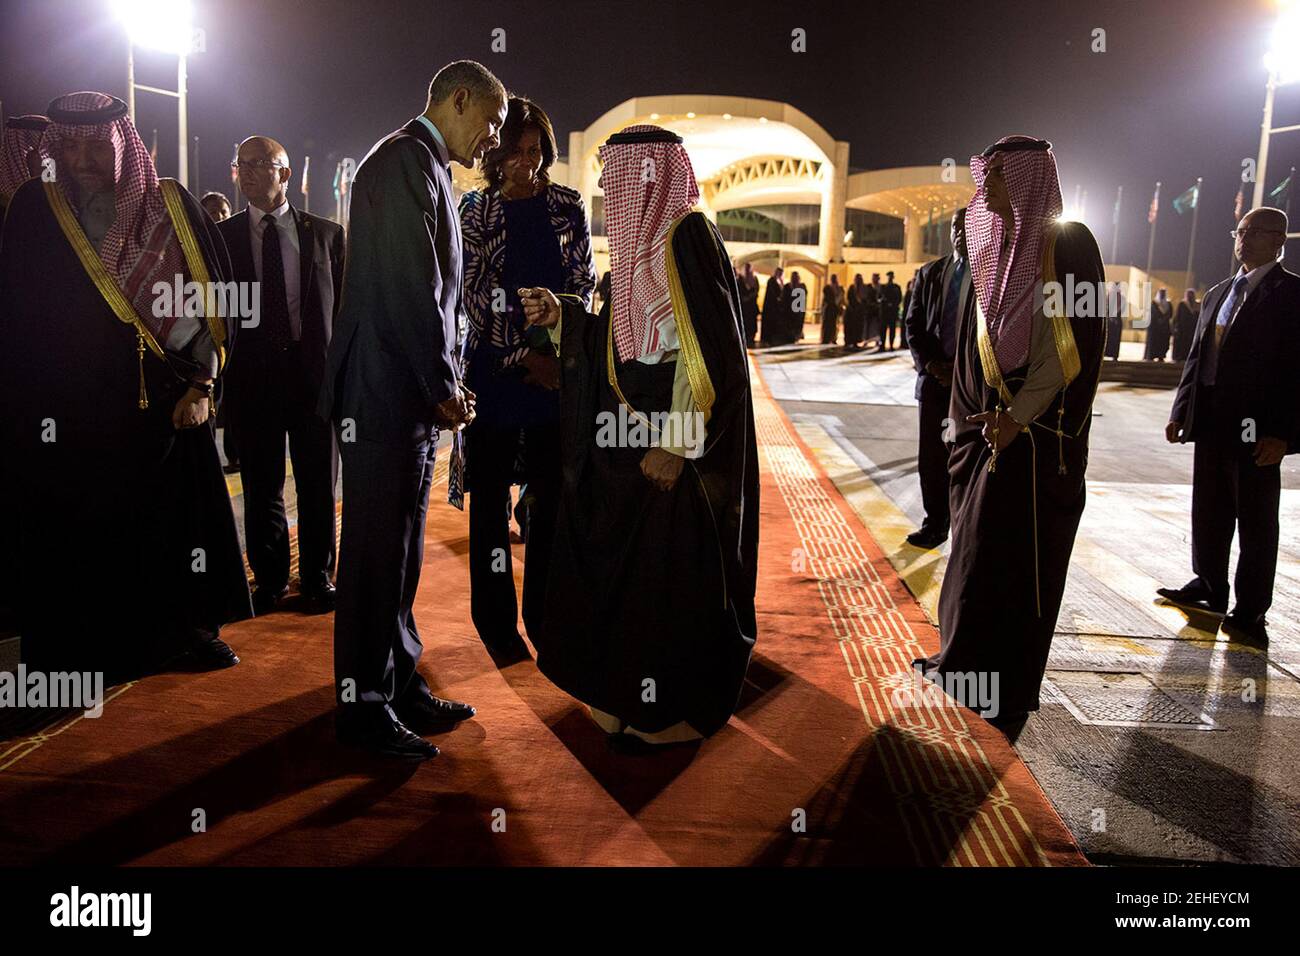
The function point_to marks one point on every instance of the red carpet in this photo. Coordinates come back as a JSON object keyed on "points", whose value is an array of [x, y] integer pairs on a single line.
{"points": [[817, 767]]}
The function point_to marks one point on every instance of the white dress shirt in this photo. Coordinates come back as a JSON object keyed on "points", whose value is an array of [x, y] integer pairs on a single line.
{"points": [[1210, 348], [288, 229]]}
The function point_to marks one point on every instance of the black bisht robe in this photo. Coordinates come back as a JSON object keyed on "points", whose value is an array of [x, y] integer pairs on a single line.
{"points": [[107, 516], [1158, 333], [1002, 588], [646, 584]]}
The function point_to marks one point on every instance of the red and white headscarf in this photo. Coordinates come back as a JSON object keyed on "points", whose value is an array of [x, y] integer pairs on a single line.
{"points": [[22, 135], [1029, 169], [647, 186], [141, 247]]}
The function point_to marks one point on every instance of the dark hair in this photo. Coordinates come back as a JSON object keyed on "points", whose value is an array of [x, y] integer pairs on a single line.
{"points": [[521, 115], [215, 195], [474, 76]]}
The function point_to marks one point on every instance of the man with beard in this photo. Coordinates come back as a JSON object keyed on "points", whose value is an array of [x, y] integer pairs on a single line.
{"points": [[129, 558], [650, 607], [1024, 379]]}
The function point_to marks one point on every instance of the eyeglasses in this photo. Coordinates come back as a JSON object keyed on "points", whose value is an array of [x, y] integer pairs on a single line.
{"points": [[242, 164], [1245, 233]]}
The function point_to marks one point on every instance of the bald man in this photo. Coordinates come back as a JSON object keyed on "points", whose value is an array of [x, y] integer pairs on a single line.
{"points": [[275, 377], [1239, 401]]}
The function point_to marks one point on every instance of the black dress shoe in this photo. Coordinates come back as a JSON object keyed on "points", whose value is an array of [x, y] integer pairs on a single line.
{"points": [[926, 539], [1246, 629], [320, 598], [382, 734], [425, 713], [213, 654], [265, 600], [1194, 596]]}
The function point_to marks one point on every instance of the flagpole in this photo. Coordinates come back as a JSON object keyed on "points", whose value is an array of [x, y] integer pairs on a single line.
{"points": [[1114, 243], [1151, 243], [1236, 217], [306, 184], [1191, 245]]}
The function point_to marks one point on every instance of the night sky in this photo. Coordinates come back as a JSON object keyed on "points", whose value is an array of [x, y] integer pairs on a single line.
{"points": [[1178, 93]]}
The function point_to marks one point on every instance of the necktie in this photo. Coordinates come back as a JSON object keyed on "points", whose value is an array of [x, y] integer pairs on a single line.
{"points": [[951, 298], [1224, 318], [275, 300]]}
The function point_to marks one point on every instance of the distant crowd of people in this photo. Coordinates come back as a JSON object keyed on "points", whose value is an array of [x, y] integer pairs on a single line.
{"points": [[871, 312]]}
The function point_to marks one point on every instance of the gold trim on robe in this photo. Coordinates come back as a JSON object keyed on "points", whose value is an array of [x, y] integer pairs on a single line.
{"points": [[104, 282], [688, 353], [1066, 348], [198, 268]]}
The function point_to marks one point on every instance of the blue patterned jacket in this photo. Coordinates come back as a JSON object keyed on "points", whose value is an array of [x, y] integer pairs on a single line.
{"points": [[483, 232]]}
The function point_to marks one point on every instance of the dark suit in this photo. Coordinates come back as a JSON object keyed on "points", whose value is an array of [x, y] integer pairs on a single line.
{"points": [[272, 392], [390, 364], [1257, 380], [924, 325], [891, 296]]}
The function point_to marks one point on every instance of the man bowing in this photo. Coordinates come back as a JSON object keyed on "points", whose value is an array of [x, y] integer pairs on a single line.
{"points": [[391, 384]]}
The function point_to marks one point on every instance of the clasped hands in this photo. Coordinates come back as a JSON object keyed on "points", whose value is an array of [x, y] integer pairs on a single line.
{"points": [[456, 412], [999, 427], [192, 410]]}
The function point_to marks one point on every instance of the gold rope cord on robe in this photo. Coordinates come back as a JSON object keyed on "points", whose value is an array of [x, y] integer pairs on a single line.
{"points": [[198, 268], [103, 282]]}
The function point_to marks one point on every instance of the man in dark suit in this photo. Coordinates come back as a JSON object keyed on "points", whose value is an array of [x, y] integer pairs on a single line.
{"points": [[938, 296], [391, 385], [1239, 401], [891, 296], [275, 377]]}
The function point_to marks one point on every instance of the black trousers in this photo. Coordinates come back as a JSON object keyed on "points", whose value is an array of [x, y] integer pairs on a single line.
{"points": [[284, 405], [376, 644], [1229, 491], [491, 453], [932, 454], [888, 326]]}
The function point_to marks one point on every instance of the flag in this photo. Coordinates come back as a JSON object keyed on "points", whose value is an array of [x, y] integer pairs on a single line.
{"points": [[1154, 211], [1281, 197], [306, 169], [234, 165], [339, 188], [153, 149], [1119, 195], [1188, 199], [1241, 201]]}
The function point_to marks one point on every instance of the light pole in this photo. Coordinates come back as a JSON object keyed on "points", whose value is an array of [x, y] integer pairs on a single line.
{"points": [[160, 25], [1283, 68]]}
